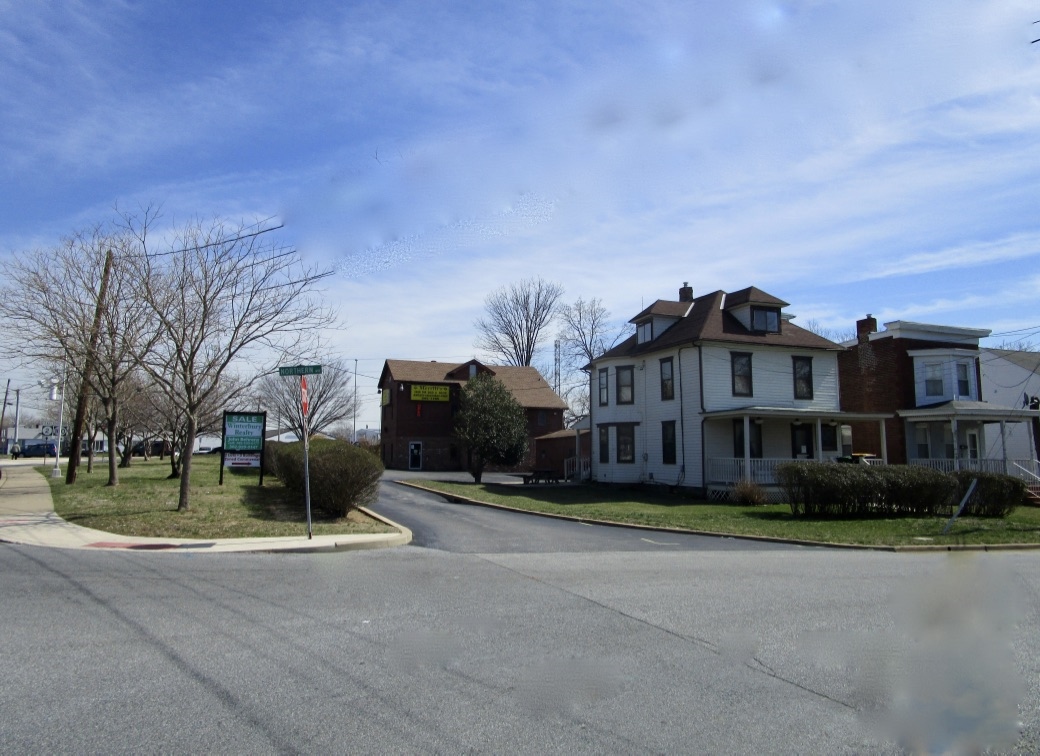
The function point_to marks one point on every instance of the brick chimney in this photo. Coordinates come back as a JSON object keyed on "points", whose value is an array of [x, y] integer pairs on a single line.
{"points": [[865, 327], [686, 292]]}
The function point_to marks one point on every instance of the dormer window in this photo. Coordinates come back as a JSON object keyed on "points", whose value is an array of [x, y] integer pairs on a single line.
{"points": [[645, 332], [765, 319]]}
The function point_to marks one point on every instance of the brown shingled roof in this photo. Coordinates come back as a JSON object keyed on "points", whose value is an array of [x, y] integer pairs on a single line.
{"points": [[664, 308], [525, 383], [753, 295], [708, 321]]}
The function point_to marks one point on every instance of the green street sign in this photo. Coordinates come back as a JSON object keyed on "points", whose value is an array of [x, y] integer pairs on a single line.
{"points": [[300, 370]]}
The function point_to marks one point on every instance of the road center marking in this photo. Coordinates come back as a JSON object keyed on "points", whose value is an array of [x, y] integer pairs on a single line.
{"points": [[658, 543]]}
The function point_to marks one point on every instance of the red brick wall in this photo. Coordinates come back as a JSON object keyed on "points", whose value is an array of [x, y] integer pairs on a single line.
{"points": [[878, 376]]}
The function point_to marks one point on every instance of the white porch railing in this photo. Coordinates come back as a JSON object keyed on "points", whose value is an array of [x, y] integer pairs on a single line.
{"points": [[732, 469], [571, 466], [1027, 469]]}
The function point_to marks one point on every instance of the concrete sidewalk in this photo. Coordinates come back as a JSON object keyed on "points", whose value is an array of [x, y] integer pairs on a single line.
{"points": [[27, 517]]}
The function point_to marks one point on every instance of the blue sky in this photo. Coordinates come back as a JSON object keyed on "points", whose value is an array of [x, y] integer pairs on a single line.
{"points": [[849, 158]]}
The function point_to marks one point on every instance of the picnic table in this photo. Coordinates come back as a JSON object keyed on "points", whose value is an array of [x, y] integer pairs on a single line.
{"points": [[542, 476]]}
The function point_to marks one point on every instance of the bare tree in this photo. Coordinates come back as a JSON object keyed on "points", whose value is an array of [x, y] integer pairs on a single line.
{"points": [[586, 332], [836, 335], [329, 394], [78, 304], [218, 296], [515, 319]]}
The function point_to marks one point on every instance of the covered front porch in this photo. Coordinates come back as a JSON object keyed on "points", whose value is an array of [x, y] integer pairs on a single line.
{"points": [[748, 443], [952, 436]]}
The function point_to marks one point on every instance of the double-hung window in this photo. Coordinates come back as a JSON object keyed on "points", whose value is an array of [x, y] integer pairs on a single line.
{"points": [[803, 383], [740, 365], [933, 379], [668, 442], [626, 443], [625, 389], [963, 384], [667, 380], [604, 444], [603, 393]]}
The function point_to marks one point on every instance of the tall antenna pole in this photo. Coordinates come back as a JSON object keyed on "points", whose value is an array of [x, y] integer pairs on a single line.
{"points": [[556, 366]]}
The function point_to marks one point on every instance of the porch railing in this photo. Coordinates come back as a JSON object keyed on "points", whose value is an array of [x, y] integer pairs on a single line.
{"points": [[732, 469], [1027, 469], [573, 465]]}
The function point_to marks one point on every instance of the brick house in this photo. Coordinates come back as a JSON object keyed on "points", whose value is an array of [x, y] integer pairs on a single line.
{"points": [[419, 401], [928, 379]]}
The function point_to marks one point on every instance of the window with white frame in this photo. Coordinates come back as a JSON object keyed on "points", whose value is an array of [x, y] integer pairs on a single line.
{"points": [[740, 368], [667, 380], [603, 393], [963, 383], [933, 379]]}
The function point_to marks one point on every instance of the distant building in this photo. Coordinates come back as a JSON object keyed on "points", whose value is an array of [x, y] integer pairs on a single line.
{"points": [[419, 401]]}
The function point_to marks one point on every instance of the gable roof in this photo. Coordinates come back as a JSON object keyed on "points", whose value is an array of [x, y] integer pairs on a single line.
{"points": [[708, 320], [526, 384]]}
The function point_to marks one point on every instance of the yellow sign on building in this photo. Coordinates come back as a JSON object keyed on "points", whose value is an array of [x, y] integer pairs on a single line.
{"points": [[425, 393]]}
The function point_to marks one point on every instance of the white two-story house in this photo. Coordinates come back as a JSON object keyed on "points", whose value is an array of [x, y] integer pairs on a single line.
{"points": [[713, 390]]}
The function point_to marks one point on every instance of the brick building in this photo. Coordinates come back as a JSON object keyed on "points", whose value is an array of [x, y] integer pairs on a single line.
{"points": [[419, 401], [929, 379]]}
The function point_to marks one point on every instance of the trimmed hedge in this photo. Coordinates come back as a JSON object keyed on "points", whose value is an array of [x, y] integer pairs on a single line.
{"points": [[343, 476], [995, 495], [825, 489]]}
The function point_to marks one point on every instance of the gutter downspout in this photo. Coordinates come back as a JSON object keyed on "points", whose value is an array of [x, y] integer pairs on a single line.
{"points": [[682, 422]]}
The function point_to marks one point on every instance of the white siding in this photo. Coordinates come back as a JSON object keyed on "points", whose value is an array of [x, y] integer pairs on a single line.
{"points": [[772, 378], [1004, 383]]}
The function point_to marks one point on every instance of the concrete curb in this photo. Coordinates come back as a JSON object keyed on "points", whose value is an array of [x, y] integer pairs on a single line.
{"points": [[27, 518], [913, 548]]}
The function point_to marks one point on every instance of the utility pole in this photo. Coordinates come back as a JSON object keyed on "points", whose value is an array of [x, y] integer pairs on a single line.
{"points": [[88, 370], [355, 401]]}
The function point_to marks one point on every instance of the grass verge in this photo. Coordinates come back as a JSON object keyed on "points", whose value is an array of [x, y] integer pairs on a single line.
{"points": [[145, 504], [647, 507]]}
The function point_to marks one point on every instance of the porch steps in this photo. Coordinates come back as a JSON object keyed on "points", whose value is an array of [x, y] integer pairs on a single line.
{"points": [[1033, 494]]}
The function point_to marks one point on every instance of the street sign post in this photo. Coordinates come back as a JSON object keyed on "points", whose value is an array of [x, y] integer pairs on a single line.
{"points": [[306, 453], [300, 370]]}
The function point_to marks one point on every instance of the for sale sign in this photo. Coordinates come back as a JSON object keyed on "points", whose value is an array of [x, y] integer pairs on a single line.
{"points": [[244, 432]]}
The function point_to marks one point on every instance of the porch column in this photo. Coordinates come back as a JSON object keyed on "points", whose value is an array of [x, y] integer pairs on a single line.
{"points": [[1003, 447], [747, 447], [956, 446], [819, 440], [884, 442]]}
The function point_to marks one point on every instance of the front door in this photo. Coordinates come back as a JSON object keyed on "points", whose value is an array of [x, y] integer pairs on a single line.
{"points": [[415, 455], [802, 441], [973, 444]]}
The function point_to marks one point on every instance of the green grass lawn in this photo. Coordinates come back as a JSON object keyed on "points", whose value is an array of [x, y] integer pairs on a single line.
{"points": [[145, 504], [646, 507]]}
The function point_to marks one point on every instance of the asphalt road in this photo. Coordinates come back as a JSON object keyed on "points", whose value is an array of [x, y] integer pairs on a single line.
{"points": [[467, 529], [592, 649]]}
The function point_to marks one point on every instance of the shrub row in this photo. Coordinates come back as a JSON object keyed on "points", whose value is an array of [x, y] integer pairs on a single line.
{"points": [[343, 476], [823, 489]]}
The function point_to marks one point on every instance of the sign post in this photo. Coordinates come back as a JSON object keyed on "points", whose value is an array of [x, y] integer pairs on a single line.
{"points": [[303, 371], [306, 453]]}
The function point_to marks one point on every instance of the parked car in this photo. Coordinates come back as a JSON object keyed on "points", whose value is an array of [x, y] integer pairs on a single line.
{"points": [[45, 449]]}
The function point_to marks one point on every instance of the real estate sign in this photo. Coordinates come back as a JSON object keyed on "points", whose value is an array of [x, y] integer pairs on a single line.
{"points": [[243, 441], [244, 432]]}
